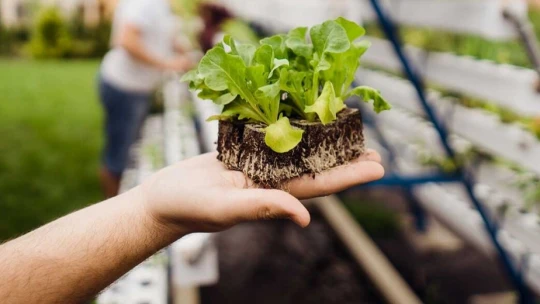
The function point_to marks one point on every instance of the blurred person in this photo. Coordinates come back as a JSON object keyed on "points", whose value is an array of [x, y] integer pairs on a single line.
{"points": [[73, 258], [213, 17], [143, 47]]}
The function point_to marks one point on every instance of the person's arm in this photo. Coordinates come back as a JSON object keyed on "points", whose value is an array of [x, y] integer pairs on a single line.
{"points": [[130, 39], [74, 257]]}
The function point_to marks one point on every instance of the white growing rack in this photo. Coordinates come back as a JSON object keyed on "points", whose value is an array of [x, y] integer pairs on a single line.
{"points": [[146, 283], [484, 129], [173, 136], [507, 86], [479, 17]]}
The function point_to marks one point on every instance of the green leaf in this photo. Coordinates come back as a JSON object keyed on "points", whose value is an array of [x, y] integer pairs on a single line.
{"points": [[264, 55], [297, 85], [192, 75], [240, 30], [296, 41], [343, 66], [207, 94], [281, 137], [219, 98], [354, 31], [222, 71], [246, 52], [225, 99], [327, 104], [325, 63], [257, 75], [237, 109], [361, 47], [229, 41], [367, 94], [268, 97], [194, 79], [329, 37], [286, 109], [277, 64], [277, 42]]}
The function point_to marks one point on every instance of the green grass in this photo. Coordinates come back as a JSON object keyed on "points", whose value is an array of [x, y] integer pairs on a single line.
{"points": [[377, 220], [50, 140]]}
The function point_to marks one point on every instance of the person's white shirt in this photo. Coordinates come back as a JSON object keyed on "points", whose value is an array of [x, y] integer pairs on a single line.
{"points": [[157, 25]]}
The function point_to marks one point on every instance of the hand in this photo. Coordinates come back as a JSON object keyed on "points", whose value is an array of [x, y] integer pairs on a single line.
{"points": [[180, 64], [199, 194]]}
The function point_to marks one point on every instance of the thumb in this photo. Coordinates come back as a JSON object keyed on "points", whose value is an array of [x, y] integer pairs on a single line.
{"points": [[264, 204]]}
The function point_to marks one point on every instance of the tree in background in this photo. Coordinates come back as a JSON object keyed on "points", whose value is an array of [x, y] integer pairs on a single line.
{"points": [[50, 36]]}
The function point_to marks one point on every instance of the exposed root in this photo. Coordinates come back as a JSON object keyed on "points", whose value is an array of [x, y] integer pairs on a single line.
{"points": [[322, 148]]}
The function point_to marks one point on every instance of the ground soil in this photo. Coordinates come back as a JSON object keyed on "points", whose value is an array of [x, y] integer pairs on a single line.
{"points": [[242, 147], [276, 262]]}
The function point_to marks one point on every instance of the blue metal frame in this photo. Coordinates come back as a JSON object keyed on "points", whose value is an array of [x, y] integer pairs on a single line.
{"points": [[461, 175], [406, 183]]}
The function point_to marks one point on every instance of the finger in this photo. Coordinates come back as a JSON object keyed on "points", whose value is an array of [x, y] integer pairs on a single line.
{"points": [[203, 158], [370, 155], [336, 179], [265, 204]]}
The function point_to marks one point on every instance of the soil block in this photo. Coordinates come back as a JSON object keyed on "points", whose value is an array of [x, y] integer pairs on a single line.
{"points": [[241, 147]]}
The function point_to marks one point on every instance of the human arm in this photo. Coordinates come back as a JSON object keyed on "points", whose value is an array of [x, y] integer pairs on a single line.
{"points": [[130, 39], [74, 257]]}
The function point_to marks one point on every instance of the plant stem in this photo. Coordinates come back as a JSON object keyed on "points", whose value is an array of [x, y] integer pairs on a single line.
{"points": [[311, 117], [315, 88]]}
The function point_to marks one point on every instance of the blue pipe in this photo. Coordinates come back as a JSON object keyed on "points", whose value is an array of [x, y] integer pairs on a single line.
{"points": [[390, 31], [409, 181]]}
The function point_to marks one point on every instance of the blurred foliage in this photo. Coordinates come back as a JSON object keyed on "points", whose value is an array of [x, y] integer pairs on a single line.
{"points": [[50, 36], [51, 135], [528, 183], [93, 42], [186, 8], [377, 220], [241, 31], [12, 39], [467, 156], [89, 41], [156, 156]]}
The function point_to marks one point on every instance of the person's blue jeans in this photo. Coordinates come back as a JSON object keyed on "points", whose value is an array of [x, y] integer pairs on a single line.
{"points": [[125, 113]]}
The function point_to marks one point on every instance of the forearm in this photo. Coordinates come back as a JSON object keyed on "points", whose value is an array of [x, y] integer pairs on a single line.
{"points": [[136, 51], [75, 257]]}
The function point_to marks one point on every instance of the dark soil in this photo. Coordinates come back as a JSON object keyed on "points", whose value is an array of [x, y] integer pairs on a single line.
{"points": [[278, 262], [437, 276], [241, 147]]}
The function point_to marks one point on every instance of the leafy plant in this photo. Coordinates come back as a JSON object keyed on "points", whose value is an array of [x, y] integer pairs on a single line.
{"points": [[287, 76]]}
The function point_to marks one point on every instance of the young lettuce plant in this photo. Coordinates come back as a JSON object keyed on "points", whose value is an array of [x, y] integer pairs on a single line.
{"points": [[286, 76]]}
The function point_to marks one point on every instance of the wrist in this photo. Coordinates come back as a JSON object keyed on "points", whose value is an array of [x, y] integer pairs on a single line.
{"points": [[151, 219]]}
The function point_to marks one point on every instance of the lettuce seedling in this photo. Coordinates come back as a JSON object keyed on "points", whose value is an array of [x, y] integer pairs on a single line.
{"points": [[295, 75]]}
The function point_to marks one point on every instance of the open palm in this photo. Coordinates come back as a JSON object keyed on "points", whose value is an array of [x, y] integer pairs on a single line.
{"points": [[203, 195]]}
